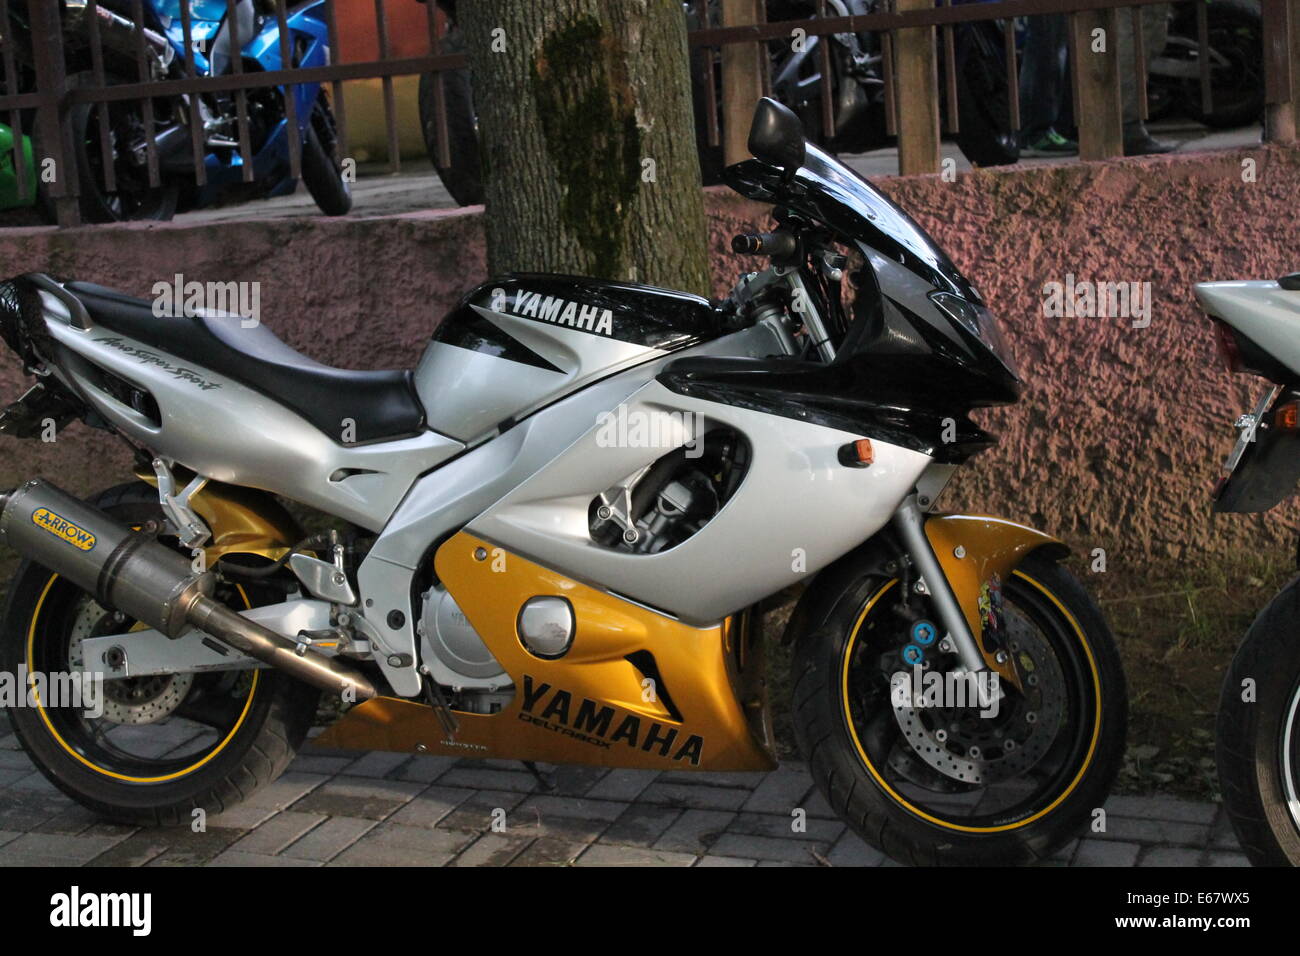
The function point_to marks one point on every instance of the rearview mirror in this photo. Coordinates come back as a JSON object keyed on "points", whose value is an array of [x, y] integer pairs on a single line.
{"points": [[776, 136]]}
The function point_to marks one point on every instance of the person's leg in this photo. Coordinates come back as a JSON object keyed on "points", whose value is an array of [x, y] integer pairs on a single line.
{"points": [[1155, 30], [1037, 77], [1043, 85]]}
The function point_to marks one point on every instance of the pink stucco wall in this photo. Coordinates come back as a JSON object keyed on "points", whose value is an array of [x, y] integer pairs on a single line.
{"points": [[1116, 444]]}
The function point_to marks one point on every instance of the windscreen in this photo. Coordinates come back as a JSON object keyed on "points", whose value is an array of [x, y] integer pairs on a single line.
{"points": [[829, 192]]}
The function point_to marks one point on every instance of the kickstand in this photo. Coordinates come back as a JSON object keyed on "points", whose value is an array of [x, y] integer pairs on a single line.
{"points": [[545, 778], [440, 707]]}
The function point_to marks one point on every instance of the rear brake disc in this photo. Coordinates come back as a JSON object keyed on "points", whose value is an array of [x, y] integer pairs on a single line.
{"points": [[127, 700]]}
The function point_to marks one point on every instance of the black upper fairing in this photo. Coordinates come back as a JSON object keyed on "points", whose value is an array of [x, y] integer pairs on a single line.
{"points": [[920, 350], [826, 395], [639, 314], [826, 191]]}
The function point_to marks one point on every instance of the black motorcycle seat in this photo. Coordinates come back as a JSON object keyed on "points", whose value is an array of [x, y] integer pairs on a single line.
{"points": [[382, 404]]}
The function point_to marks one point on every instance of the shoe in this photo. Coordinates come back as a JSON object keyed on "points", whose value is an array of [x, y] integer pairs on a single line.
{"points": [[1050, 143], [1147, 145]]}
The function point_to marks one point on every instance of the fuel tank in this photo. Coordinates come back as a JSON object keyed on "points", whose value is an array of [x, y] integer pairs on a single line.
{"points": [[519, 342]]}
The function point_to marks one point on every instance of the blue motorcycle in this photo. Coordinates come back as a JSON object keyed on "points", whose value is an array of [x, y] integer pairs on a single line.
{"points": [[127, 193]]}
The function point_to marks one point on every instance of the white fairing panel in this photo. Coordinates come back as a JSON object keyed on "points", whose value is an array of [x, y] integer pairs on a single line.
{"points": [[468, 394], [447, 498], [228, 432], [797, 510], [1262, 311]]}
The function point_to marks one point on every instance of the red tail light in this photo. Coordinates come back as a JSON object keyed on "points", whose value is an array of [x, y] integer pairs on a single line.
{"points": [[1228, 350]]}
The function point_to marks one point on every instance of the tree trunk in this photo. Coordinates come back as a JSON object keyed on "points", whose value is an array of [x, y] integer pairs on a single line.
{"points": [[588, 140]]}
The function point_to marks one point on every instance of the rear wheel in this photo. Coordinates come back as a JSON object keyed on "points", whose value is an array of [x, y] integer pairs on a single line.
{"points": [[962, 782], [162, 746], [1258, 735]]}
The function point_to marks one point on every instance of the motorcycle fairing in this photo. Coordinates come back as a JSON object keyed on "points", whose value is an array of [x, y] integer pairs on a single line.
{"points": [[1264, 318], [904, 267], [826, 191], [448, 497], [309, 42], [589, 706], [261, 443], [794, 483], [517, 343], [920, 352], [636, 689], [1267, 314], [210, 35], [382, 405]]}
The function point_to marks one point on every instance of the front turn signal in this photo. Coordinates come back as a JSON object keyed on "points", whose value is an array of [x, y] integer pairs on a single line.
{"points": [[857, 454]]}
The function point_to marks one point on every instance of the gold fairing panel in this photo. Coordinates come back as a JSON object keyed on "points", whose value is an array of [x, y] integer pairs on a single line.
{"points": [[590, 706], [989, 548], [243, 520]]}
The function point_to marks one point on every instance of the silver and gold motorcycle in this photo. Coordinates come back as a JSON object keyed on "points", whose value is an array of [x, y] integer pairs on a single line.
{"points": [[553, 540]]}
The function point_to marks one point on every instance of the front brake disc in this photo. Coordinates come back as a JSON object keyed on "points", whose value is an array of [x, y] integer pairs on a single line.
{"points": [[965, 746]]}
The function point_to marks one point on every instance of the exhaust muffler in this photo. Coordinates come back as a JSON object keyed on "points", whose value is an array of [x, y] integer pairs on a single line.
{"points": [[136, 574]]}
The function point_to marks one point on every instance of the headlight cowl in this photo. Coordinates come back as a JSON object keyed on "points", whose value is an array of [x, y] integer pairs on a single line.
{"points": [[979, 321]]}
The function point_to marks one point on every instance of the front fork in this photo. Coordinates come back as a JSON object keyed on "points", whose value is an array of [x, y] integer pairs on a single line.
{"points": [[962, 559], [909, 521]]}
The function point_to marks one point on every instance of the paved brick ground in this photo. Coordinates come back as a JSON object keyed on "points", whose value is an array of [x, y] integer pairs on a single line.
{"points": [[338, 809]]}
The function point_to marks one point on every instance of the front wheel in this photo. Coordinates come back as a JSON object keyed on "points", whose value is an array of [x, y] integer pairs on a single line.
{"points": [[464, 177], [959, 776], [151, 750], [1258, 735], [322, 170]]}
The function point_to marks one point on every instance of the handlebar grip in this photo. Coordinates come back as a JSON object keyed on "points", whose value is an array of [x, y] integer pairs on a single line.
{"points": [[778, 245]]}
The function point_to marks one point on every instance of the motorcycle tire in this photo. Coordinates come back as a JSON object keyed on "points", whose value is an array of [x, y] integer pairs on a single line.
{"points": [[464, 177], [134, 199], [895, 797], [1258, 735], [257, 719], [322, 173]]}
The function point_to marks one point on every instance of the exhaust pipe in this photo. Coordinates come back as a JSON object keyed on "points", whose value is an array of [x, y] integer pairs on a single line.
{"points": [[137, 575], [116, 32]]}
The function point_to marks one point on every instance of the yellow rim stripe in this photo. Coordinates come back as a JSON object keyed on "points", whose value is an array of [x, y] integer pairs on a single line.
{"points": [[31, 643], [862, 753]]}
